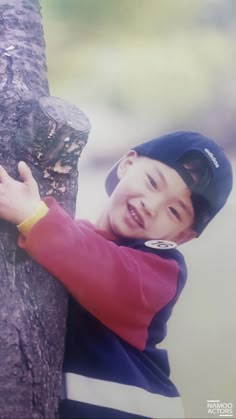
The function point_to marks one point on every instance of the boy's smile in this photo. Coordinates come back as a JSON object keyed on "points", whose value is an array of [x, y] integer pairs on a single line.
{"points": [[151, 201], [138, 219]]}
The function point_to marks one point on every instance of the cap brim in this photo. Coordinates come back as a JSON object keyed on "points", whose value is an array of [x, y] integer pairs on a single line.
{"points": [[112, 179]]}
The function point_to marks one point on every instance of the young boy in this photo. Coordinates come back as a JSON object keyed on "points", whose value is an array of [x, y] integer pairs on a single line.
{"points": [[123, 273]]}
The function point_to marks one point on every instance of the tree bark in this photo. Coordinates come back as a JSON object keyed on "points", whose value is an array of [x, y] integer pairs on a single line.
{"points": [[49, 134]]}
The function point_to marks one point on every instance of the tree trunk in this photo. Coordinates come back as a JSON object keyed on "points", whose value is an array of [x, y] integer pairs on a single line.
{"points": [[49, 135]]}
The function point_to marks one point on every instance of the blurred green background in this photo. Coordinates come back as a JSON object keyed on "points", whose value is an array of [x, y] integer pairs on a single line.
{"points": [[139, 68]]}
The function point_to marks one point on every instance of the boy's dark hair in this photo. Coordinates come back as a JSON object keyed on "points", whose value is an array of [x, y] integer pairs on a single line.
{"points": [[200, 162]]}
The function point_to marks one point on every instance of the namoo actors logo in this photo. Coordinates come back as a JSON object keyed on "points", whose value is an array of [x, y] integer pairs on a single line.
{"points": [[219, 409]]}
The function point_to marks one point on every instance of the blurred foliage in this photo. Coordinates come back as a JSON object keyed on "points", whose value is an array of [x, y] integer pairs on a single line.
{"points": [[165, 63], [149, 16]]}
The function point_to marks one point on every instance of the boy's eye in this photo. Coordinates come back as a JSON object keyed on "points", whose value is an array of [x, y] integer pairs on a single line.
{"points": [[152, 181], [175, 213]]}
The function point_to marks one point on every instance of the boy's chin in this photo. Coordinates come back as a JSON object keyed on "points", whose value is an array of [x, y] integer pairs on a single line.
{"points": [[121, 231]]}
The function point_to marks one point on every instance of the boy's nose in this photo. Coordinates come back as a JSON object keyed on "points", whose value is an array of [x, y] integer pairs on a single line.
{"points": [[149, 207], [153, 205]]}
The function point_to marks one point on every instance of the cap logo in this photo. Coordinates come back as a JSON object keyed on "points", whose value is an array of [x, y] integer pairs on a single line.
{"points": [[160, 244], [212, 157]]}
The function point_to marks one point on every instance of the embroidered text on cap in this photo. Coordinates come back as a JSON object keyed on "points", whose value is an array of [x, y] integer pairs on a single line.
{"points": [[212, 157]]}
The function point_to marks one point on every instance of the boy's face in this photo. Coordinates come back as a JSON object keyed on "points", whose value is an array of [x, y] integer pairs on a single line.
{"points": [[151, 201]]}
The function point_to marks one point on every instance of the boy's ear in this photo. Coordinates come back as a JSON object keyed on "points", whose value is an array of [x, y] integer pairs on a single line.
{"points": [[186, 236], [126, 161]]}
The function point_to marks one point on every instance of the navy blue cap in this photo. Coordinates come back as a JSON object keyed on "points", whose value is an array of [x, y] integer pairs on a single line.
{"points": [[201, 163]]}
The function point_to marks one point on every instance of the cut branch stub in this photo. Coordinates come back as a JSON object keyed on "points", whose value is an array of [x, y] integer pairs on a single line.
{"points": [[51, 130], [51, 135]]}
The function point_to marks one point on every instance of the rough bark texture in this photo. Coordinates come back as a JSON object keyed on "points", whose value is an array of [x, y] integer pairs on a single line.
{"points": [[49, 135]]}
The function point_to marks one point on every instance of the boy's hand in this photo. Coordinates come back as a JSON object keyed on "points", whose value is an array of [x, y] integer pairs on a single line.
{"points": [[18, 200]]}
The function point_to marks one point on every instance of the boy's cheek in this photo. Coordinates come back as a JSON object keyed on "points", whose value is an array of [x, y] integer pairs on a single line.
{"points": [[161, 229]]}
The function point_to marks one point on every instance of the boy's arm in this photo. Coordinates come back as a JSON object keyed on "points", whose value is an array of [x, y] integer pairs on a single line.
{"points": [[120, 286]]}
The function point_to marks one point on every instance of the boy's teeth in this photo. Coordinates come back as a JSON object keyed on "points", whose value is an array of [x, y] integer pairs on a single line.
{"points": [[134, 215]]}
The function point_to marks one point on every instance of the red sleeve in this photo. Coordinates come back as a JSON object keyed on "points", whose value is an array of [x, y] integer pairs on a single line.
{"points": [[120, 286]]}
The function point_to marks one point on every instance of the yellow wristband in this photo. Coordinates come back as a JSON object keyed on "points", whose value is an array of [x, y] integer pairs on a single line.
{"points": [[26, 225]]}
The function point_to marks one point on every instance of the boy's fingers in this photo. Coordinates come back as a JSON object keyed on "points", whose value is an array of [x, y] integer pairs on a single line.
{"points": [[25, 173], [4, 176]]}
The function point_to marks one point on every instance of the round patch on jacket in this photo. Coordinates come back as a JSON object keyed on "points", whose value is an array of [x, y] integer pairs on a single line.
{"points": [[160, 244]]}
